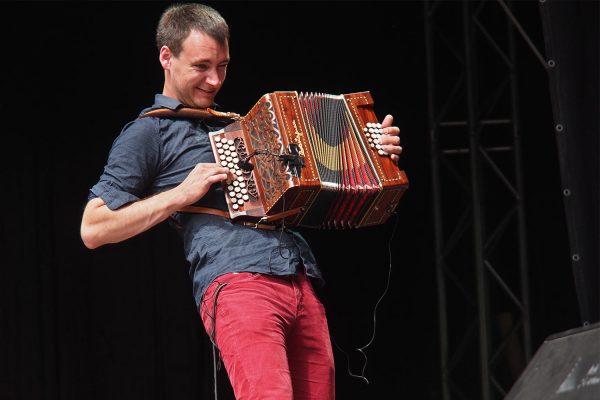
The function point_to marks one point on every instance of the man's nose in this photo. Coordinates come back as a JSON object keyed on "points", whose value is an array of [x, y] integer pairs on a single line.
{"points": [[213, 78]]}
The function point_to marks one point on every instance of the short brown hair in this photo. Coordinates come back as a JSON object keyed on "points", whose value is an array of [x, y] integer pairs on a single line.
{"points": [[179, 20]]}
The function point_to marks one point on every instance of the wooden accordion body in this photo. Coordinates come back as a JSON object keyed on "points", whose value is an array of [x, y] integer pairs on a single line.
{"points": [[311, 160]]}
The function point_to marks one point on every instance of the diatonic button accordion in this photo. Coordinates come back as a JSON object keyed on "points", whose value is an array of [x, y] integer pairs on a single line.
{"points": [[311, 160]]}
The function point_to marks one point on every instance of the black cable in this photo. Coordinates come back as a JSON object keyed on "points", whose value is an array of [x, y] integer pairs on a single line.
{"points": [[280, 246], [215, 349], [361, 349], [294, 160], [289, 158], [214, 354], [245, 162]]}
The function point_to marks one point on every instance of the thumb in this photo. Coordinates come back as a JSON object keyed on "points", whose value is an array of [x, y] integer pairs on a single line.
{"points": [[387, 121]]}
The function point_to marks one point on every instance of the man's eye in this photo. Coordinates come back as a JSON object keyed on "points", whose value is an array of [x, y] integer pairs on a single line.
{"points": [[201, 67]]}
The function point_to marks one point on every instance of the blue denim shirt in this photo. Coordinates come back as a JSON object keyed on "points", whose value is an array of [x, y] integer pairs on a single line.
{"points": [[152, 155]]}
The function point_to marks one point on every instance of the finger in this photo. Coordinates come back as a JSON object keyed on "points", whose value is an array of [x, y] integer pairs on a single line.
{"points": [[206, 168], [387, 127], [206, 172], [222, 172], [395, 158], [391, 130], [392, 149], [217, 178], [230, 175], [387, 121], [208, 165], [388, 139], [211, 168]]}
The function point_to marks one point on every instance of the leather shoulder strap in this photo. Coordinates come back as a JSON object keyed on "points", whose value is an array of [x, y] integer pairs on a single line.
{"points": [[188, 112], [225, 214], [205, 210]]}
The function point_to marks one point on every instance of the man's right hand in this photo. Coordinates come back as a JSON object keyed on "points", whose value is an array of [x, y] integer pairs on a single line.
{"points": [[199, 181]]}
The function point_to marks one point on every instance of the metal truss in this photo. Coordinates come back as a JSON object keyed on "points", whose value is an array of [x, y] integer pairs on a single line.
{"points": [[478, 205]]}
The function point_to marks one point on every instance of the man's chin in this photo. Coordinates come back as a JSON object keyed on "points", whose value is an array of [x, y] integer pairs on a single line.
{"points": [[204, 101]]}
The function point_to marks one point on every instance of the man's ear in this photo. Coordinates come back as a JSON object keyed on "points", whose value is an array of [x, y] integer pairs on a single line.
{"points": [[165, 56]]}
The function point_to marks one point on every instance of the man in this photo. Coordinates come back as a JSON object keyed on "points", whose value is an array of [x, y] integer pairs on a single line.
{"points": [[253, 287]]}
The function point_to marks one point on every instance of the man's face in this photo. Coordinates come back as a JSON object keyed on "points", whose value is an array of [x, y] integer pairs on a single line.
{"points": [[196, 75]]}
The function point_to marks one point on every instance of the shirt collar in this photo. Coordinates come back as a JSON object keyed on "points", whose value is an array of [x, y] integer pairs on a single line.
{"points": [[162, 101]]}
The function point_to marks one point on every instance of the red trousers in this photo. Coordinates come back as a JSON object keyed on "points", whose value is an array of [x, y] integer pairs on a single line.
{"points": [[273, 336]]}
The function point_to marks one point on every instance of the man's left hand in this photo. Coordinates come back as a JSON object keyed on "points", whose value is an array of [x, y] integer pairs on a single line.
{"points": [[390, 140]]}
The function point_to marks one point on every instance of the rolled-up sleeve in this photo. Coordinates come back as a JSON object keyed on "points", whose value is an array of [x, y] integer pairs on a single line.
{"points": [[132, 164]]}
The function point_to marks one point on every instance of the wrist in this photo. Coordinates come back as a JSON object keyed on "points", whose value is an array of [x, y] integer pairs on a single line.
{"points": [[174, 199]]}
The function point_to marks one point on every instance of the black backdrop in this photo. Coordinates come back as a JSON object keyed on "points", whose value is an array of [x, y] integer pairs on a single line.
{"points": [[572, 42], [119, 322]]}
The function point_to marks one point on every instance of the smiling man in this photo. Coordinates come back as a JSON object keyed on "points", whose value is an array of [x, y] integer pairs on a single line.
{"points": [[252, 285], [195, 74]]}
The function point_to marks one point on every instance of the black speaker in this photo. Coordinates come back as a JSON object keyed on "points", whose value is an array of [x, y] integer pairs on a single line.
{"points": [[565, 367]]}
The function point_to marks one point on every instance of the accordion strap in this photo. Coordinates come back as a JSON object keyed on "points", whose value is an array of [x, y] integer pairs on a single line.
{"points": [[205, 210], [283, 214], [225, 214], [257, 225], [188, 112]]}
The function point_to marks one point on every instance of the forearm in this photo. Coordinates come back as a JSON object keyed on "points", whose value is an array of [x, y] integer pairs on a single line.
{"points": [[101, 225]]}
